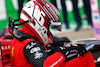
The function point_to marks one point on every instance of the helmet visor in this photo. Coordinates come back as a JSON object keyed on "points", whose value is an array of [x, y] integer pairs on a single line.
{"points": [[56, 25]]}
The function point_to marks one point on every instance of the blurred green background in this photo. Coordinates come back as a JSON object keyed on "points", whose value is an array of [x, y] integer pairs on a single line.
{"points": [[10, 7]]}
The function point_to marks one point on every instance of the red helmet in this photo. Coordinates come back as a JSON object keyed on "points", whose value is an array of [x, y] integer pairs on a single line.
{"points": [[41, 15]]}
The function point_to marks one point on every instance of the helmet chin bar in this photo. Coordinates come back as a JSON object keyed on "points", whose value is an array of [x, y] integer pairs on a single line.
{"points": [[13, 27], [55, 25]]}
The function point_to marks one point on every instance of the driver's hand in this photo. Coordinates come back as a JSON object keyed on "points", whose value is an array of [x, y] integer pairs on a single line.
{"points": [[72, 51]]}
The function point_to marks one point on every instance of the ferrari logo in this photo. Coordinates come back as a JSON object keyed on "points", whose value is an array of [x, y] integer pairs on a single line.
{"points": [[12, 51]]}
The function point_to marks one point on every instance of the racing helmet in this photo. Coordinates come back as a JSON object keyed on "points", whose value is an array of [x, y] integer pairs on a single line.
{"points": [[40, 16]]}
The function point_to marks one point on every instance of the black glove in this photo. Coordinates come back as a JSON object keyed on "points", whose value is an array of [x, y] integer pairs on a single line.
{"points": [[71, 52], [80, 48]]}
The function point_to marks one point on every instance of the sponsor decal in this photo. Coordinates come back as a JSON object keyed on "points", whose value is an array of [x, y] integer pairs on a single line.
{"points": [[35, 49], [30, 45], [37, 52], [38, 55], [56, 62], [5, 47]]}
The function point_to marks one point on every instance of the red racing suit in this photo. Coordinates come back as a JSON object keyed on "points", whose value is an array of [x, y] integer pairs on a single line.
{"points": [[37, 57], [30, 53]]}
